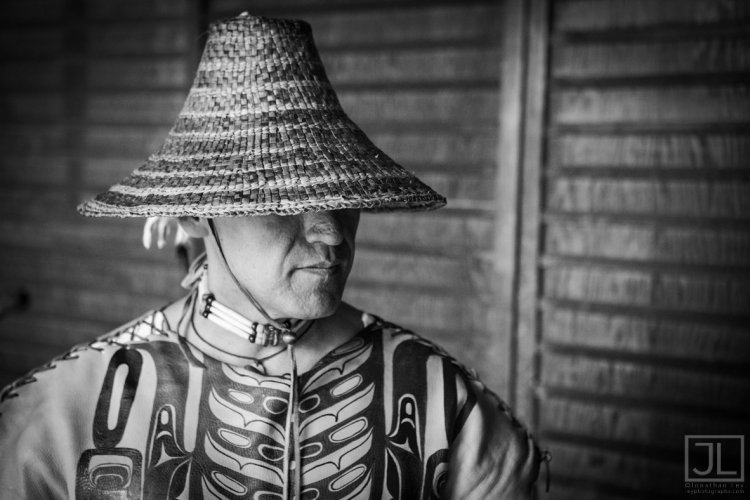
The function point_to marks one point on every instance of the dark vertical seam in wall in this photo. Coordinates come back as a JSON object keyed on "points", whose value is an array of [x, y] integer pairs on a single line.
{"points": [[530, 202], [74, 82], [545, 15]]}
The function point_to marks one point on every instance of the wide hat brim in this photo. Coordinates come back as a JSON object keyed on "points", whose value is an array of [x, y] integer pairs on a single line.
{"points": [[262, 132]]}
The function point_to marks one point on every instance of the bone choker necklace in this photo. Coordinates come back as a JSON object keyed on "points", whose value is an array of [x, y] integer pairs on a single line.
{"points": [[234, 322]]}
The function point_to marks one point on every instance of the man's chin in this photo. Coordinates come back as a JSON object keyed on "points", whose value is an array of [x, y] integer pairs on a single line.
{"points": [[320, 304]]}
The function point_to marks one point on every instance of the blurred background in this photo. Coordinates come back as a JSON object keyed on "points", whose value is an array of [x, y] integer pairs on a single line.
{"points": [[593, 260]]}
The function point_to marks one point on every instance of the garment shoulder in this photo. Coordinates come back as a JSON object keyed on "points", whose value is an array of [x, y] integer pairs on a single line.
{"points": [[422, 368], [80, 359], [406, 348], [68, 375], [394, 335], [492, 453]]}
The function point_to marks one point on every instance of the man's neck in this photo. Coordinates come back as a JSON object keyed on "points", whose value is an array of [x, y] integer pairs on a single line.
{"points": [[323, 336]]}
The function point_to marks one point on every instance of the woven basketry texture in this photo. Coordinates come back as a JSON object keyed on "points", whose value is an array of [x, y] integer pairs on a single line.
{"points": [[262, 132]]}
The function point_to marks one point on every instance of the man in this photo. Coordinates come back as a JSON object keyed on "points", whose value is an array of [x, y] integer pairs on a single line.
{"points": [[261, 383]]}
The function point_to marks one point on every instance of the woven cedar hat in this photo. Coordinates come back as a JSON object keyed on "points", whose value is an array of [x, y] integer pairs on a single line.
{"points": [[262, 132]]}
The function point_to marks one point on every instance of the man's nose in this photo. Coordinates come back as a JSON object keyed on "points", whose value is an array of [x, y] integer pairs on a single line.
{"points": [[323, 227]]}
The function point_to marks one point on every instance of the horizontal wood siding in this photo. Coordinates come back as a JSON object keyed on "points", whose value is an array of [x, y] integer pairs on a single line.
{"points": [[644, 292], [89, 90]]}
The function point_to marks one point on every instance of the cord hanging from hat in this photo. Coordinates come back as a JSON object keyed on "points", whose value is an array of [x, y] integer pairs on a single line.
{"points": [[273, 329]]}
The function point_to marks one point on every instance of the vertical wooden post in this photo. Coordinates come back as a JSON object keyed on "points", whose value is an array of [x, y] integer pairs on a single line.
{"points": [[508, 185], [531, 185]]}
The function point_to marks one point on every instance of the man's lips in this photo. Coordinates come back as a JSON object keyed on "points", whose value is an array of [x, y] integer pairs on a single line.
{"points": [[325, 265]]}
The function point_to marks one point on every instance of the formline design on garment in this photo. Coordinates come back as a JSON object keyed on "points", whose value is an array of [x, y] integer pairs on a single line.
{"points": [[230, 441]]}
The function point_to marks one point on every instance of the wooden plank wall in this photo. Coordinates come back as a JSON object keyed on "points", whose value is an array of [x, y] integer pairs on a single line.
{"points": [[421, 78], [644, 298], [89, 89]]}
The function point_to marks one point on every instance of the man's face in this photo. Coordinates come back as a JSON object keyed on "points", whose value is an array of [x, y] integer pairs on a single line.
{"points": [[295, 266]]}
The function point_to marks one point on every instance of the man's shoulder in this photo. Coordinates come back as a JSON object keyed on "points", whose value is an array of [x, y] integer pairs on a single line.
{"points": [[403, 345], [148, 327], [73, 372]]}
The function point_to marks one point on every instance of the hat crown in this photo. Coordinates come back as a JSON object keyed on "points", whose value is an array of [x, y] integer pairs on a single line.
{"points": [[256, 53], [259, 65]]}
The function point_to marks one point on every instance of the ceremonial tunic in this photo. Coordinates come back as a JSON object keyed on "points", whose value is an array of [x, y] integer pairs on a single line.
{"points": [[142, 413]]}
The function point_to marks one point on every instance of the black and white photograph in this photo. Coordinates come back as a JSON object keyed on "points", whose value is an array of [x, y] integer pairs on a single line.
{"points": [[359, 249]]}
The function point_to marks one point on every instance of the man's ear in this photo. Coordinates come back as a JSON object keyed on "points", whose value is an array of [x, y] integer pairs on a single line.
{"points": [[195, 227]]}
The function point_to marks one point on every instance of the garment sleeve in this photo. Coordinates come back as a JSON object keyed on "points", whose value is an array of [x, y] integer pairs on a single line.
{"points": [[45, 424], [28, 468], [492, 456]]}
